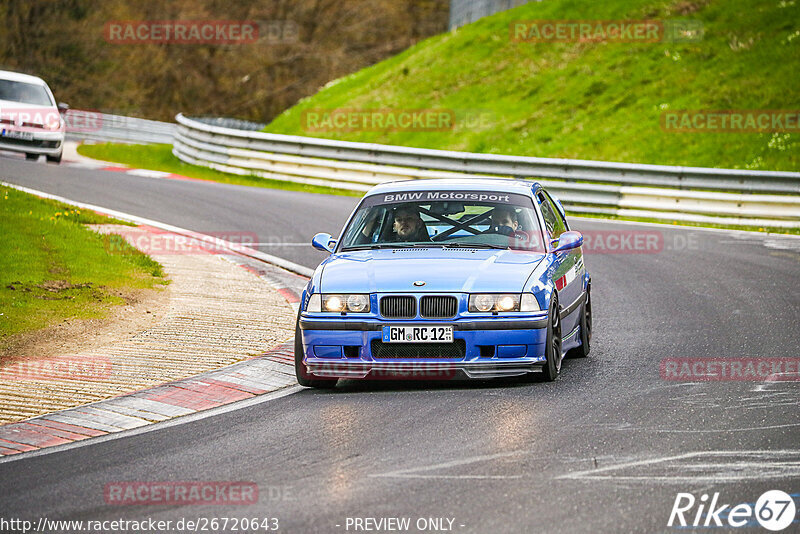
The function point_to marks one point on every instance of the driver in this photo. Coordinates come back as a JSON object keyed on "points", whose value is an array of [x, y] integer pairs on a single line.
{"points": [[408, 225], [504, 221]]}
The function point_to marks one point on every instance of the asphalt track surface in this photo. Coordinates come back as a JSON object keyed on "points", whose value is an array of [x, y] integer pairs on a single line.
{"points": [[605, 448]]}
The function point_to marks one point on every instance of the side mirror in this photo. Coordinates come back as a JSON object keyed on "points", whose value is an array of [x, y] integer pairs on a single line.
{"points": [[323, 242], [567, 241], [62, 107]]}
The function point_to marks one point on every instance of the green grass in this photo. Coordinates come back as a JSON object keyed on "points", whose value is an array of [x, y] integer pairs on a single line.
{"points": [[160, 158], [53, 268], [598, 101]]}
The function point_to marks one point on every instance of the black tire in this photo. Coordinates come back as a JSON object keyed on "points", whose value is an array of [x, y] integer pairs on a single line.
{"points": [[54, 159], [31, 157], [303, 377], [552, 366], [586, 329]]}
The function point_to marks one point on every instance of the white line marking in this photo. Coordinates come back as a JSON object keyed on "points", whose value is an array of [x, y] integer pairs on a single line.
{"points": [[233, 247], [148, 174], [679, 431], [758, 464]]}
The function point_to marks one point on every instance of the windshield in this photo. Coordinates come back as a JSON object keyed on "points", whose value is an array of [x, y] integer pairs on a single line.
{"points": [[468, 219], [24, 93]]}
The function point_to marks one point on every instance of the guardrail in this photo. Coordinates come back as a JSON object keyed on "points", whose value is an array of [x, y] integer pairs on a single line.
{"points": [[94, 126], [696, 194]]}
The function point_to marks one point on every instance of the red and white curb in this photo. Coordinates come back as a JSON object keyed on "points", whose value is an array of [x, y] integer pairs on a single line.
{"points": [[144, 173], [244, 380], [249, 379]]}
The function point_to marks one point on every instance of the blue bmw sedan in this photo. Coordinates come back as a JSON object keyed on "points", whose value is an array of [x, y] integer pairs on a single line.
{"points": [[440, 279]]}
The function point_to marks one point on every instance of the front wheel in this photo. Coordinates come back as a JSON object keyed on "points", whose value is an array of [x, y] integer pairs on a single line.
{"points": [[552, 351], [55, 159], [586, 329], [31, 157], [303, 377]]}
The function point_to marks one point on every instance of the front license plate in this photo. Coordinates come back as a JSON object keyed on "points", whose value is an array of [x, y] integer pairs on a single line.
{"points": [[417, 334], [14, 134]]}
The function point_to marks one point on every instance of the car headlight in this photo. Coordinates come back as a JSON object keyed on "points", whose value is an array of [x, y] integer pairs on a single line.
{"points": [[54, 124], [352, 303], [529, 303], [357, 303], [314, 303], [494, 302]]}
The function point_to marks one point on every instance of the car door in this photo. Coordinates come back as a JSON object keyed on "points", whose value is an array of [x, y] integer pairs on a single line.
{"points": [[567, 269]]}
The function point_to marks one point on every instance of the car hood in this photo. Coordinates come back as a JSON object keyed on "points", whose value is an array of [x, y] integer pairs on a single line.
{"points": [[450, 270]]}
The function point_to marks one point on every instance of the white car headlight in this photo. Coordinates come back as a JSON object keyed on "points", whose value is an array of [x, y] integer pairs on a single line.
{"points": [[529, 303], [314, 303], [333, 303], [494, 302], [358, 303], [350, 303]]}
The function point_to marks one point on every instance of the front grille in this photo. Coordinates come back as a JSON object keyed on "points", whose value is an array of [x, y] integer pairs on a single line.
{"points": [[36, 143], [438, 307], [383, 351], [399, 307]]}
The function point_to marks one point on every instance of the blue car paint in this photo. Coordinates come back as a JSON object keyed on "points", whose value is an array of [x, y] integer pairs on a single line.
{"points": [[451, 271]]}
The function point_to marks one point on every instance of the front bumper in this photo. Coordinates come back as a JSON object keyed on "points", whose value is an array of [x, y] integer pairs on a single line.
{"points": [[43, 143], [492, 348]]}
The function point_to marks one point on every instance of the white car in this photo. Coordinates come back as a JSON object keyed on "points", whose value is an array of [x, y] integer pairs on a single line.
{"points": [[30, 119]]}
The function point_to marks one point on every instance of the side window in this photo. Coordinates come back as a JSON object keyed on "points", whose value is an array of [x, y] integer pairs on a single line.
{"points": [[559, 217], [555, 225]]}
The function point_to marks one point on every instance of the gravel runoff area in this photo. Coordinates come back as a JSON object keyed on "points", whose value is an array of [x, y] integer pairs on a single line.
{"points": [[219, 313]]}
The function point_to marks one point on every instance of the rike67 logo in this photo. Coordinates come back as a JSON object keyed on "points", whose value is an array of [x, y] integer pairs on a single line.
{"points": [[775, 510]]}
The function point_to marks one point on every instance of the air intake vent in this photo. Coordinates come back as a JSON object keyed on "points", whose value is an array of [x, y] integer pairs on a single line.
{"points": [[438, 307], [399, 307], [381, 350]]}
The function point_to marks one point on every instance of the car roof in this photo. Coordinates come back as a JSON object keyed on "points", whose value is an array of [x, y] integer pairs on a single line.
{"points": [[505, 185], [19, 77]]}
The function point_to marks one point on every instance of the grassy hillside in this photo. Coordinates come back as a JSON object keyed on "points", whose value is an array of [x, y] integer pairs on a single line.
{"points": [[592, 100]]}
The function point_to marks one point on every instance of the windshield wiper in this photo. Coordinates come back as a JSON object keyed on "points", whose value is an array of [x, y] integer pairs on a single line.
{"points": [[469, 245], [423, 245], [382, 245]]}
